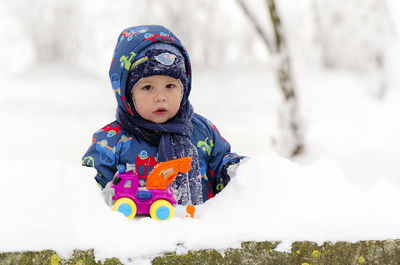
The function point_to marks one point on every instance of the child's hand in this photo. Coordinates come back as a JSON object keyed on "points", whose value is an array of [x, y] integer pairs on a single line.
{"points": [[108, 193], [231, 170]]}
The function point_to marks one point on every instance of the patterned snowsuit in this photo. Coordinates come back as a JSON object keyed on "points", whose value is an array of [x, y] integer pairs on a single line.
{"points": [[112, 146]]}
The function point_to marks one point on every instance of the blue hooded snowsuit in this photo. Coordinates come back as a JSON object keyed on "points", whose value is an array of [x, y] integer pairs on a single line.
{"points": [[113, 146]]}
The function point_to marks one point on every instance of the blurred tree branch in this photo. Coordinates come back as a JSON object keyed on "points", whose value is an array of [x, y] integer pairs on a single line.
{"points": [[290, 142]]}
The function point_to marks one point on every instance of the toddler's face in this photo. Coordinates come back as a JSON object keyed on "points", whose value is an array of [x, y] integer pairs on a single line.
{"points": [[157, 98]]}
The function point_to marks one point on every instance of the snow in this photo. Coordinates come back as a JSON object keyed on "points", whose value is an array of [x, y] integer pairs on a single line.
{"points": [[296, 202], [345, 187], [362, 131], [53, 202]]}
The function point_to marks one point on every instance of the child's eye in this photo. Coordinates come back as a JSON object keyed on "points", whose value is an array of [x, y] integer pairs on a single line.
{"points": [[147, 88], [170, 86]]}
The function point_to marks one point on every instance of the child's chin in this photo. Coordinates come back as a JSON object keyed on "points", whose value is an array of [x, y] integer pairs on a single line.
{"points": [[160, 119]]}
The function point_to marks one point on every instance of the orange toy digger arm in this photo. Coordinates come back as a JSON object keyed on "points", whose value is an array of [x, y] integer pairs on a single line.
{"points": [[165, 172]]}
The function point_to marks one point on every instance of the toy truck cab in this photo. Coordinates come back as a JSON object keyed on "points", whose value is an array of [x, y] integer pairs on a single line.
{"points": [[125, 183], [156, 198]]}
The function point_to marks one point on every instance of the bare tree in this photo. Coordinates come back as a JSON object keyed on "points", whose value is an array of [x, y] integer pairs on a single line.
{"points": [[290, 141]]}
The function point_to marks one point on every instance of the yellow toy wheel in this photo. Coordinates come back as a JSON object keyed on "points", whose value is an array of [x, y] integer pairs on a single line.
{"points": [[161, 210], [125, 206]]}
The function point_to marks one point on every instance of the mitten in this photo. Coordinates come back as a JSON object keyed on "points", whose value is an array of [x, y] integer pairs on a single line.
{"points": [[231, 170], [108, 193]]}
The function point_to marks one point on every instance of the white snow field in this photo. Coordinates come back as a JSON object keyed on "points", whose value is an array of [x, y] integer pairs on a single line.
{"points": [[345, 187]]}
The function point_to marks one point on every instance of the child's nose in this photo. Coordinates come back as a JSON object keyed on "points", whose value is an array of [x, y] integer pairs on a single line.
{"points": [[160, 96]]}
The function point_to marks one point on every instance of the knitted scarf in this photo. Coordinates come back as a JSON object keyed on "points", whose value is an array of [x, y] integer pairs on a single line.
{"points": [[173, 139]]}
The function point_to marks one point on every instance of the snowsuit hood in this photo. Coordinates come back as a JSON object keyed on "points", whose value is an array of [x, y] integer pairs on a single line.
{"points": [[132, 139], [130, 43]]}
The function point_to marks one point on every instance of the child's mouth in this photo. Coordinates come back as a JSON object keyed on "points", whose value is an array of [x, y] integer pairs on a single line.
{"points": [[160, 111]]}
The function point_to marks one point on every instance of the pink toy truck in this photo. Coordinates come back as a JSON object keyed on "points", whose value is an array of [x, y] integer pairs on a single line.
{"points": [[156, 198]]}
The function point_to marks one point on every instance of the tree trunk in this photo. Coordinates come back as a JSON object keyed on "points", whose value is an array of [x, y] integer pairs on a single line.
{"points": [[290, 140]]}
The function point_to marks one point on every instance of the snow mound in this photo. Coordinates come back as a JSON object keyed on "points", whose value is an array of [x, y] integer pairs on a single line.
{"points": [[271, 198]]}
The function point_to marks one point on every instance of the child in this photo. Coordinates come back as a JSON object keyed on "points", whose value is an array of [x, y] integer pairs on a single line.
{"points": [[151, 78]]}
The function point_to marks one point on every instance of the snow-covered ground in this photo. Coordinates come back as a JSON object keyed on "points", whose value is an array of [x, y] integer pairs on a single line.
{"points": [[346, 186]]}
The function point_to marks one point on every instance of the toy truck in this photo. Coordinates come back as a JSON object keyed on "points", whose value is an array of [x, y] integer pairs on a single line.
{"points": [[156, 198]]}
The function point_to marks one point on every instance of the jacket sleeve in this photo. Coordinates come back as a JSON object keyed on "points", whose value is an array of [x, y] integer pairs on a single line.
{"points": [[102, 154], [220, 159]]}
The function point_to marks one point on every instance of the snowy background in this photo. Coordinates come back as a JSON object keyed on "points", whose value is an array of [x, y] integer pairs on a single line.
{"points": [[55, 93]]}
